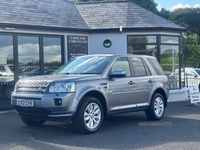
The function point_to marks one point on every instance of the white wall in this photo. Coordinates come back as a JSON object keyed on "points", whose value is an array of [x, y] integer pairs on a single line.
{"points": [[119, 43]]}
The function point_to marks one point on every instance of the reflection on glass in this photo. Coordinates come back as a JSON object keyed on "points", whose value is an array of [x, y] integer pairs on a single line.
{"points": [[170, 63], [28, 54], [169, 39], [52, 54], [141, 39], [6, 49], [85, 65], [143, 50], [6, 68]]}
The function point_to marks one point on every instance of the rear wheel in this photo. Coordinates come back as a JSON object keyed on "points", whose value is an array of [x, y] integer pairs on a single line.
{"points": [[32, 122], [89, 115], [156, 109]]}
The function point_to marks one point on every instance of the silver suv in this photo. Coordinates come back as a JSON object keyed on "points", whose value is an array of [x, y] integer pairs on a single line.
{"points": [[89, 88]]}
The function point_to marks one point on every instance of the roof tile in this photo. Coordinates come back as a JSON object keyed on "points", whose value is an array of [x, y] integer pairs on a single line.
{"points": [[92, 15]]}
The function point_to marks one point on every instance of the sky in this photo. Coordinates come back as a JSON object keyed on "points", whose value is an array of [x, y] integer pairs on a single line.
{"points": [[174, 4]]}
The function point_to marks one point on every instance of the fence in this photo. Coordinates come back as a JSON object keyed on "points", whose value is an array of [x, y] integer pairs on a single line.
{"points": [[189, 82]]}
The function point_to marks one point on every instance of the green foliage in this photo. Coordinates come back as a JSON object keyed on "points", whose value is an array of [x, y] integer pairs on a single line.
{"points": [[164, 13], [192, 51], [147, 4], [188, 18]]}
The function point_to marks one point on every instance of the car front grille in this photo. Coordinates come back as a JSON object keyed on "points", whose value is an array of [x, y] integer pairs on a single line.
{"points": [[36, 86]]}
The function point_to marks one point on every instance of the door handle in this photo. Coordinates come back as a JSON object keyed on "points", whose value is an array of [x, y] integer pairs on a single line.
{"points": [[150, 81], [131, 82]]}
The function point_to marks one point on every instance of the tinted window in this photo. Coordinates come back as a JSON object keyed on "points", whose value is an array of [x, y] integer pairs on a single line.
{"points": [[122, 63], [156, 66], [141, 39], [169, 39], [147, 69], [198, 71], [138, 67]]}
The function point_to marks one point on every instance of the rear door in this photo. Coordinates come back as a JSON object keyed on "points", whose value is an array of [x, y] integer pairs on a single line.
{"points": [[144, 80]]}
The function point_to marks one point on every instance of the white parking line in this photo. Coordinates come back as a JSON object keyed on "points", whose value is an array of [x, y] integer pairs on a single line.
{"points": [[7, 111]]}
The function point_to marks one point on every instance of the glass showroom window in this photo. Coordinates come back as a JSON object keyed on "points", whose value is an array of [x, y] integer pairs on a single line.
{"points": [[169, 55], [6, 68], [145, 45], [52, 54], [28, 54]]}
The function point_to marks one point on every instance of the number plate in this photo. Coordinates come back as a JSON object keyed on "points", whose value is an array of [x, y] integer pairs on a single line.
{"points": [[25, 103]]}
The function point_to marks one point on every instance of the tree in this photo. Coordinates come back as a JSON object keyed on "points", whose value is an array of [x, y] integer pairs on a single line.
{"points": [[164, 13], [192, 51], [188, 18], [147, 4]]}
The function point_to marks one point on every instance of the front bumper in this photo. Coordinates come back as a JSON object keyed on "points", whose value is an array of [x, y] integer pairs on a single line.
{"points": [[45, 107]]}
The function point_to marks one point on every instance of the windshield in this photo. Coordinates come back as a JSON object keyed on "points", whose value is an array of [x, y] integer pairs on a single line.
{"points": [[85, 65], [198, 71]]}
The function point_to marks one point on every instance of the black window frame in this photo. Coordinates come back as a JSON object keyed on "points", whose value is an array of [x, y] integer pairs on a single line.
{"points": [[41, 51]]}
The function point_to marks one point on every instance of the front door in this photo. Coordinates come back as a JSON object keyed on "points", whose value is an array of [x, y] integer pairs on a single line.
{"points": [[122, 89]]}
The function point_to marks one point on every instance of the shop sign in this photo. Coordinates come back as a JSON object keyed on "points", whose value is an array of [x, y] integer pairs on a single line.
{"points": [[77, 46]]}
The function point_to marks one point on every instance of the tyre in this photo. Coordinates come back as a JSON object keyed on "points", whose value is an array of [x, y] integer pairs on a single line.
{"points": [[156, 109], [32, 122], [89, 116], [7, 90]]}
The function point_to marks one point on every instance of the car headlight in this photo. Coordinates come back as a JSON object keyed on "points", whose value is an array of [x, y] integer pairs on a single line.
{"points": [[62, 87], [15, 87]]}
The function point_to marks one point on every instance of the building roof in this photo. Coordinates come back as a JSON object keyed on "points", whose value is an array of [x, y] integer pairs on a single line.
{"points": [[91, 15], [112, 14], [50, 13]]}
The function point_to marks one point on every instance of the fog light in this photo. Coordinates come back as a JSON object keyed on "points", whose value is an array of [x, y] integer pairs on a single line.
{"points": [[57, 101]]}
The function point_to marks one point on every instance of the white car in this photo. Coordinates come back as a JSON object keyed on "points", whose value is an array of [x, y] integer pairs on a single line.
{"points": [[188, 75]]}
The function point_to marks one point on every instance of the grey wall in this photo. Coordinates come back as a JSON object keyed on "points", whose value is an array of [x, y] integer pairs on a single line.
{"points": [[119, 43]]}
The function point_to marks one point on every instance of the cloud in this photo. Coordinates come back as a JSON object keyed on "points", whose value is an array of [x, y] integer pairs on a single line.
{"points": [[184, 6], [159, 7]]}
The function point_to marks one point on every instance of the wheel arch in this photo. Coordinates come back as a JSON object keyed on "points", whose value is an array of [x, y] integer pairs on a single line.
{"points": [[162, 92], [97, 95]]}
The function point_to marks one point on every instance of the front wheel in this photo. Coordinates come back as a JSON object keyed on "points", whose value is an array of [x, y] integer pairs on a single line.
{"points": [[89, 115], [156, 109], [32, 122], [7, 90]]}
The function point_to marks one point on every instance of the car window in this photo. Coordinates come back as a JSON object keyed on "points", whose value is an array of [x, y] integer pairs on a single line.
{"points": [[147, 69], [85, 65], [156, 66], [198, 71], [138, 67], [122, 63]]}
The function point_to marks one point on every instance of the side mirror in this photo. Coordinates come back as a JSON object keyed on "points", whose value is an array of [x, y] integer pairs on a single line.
{"points": [[117, 73]]}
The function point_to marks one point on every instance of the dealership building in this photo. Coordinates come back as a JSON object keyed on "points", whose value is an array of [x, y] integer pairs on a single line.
{"points": [[38, 36]]}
